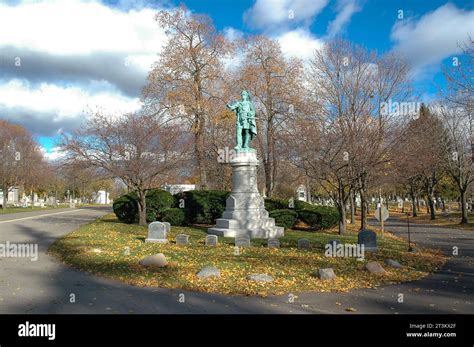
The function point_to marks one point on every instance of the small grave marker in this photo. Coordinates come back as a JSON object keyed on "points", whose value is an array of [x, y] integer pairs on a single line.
{"points": [[182, 239]]}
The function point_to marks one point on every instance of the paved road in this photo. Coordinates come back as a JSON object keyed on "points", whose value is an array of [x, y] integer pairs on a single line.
{"points": [[45, 286]]}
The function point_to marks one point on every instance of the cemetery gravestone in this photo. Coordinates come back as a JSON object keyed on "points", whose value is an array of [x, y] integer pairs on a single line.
{"points": [[260, 278], [182, 239], [242, 241], [156, 233], [211, 240], [168, 226], [368, 238], [303, 244], [209, 271], [273, 243]]}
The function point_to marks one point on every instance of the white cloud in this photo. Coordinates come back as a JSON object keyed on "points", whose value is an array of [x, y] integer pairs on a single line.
{"points": [[75, 55], [60, 102], [233, 62], [433, 37], [75, 27], [265, 14], [52, 154], [345, 9], [233, 34], [299, 43]]}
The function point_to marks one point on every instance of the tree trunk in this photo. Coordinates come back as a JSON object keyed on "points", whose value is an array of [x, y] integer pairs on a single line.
{"points": [[268, 178], [308, 191], [5, 198], [354, 203], [363, 205], [432, 209], [414, 202], [341, 206], [342, 218], [464, 216], [199, 150], [142, 208], [352, 206], [269, 164]]}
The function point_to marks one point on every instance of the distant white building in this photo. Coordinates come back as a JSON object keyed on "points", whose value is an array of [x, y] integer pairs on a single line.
{"points": [[301, 193], [178, 188], [102, 197]]}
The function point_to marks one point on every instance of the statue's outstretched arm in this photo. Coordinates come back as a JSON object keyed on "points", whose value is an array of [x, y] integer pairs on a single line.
{"points": [[232, 106]]}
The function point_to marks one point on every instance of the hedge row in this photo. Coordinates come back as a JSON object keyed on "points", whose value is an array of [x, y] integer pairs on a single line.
{"points": [[205, 206], [316, 217], [202, 206], [157, 200]]}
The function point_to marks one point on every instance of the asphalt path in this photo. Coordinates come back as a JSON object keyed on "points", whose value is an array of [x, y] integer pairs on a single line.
{"points": [[47, 286]]}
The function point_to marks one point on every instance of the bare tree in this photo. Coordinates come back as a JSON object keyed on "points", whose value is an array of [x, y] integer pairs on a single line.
{"points": [[141, 150], [351, 84], [417, 161], [458, 144], [19, 156], [276, 84], [456, 112], [187, 75]]}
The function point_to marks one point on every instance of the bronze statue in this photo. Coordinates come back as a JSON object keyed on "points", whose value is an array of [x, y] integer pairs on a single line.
{"points": [[246, 125]]}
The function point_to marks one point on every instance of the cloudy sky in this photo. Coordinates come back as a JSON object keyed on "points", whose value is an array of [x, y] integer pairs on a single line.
{"points": [[59, 59]]}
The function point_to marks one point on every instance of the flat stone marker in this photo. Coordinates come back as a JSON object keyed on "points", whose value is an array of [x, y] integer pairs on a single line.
{"points": [[168, 226], [209, 271], [368, 238], [242, 241], [326, 274], [182, 239], [211, 240], [393, 263], [260, 278], [374, 267], [273, 243], [304, 244], [156, 233]]}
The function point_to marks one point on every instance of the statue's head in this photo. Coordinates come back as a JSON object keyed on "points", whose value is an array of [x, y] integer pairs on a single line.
{"points": [[245, 95]]}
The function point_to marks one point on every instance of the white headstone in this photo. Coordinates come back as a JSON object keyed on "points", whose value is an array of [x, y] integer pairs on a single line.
{"points": [[182, 239], [242, 241], [157, 233], [273, 243], [211, 240], [168, 226], [304, 244]]}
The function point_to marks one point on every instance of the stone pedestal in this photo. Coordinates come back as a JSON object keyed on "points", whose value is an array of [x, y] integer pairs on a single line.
{"points": [[245, 212]]}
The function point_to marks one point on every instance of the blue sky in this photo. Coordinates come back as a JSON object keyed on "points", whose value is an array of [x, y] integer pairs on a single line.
{"points": [[77, 55]]}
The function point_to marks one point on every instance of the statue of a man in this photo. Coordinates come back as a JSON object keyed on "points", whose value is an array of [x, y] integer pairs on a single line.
{"points": [[246, 126]]}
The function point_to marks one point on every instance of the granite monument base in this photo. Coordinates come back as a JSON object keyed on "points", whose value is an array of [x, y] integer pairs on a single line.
{"points": [[245, 212]]}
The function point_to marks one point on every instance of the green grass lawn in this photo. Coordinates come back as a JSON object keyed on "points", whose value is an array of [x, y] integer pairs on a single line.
{"points": [[112, 249]]}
